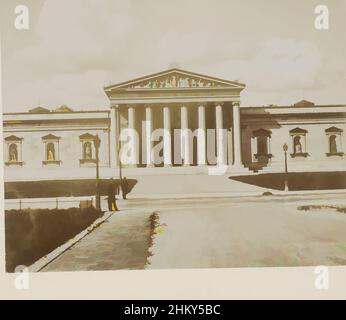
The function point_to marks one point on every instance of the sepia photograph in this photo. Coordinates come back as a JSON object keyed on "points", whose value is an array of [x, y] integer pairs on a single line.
{"points": [[159, 135]]}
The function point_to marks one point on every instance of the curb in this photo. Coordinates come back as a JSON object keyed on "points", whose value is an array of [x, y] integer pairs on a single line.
{"points": [[45, 260]]}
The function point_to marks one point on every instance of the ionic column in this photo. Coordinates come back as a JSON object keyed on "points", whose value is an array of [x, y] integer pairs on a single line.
{"points": [[220, 138], [132, 128], [113, 150], [185, 135], [167, 147], [201, 138], [236, 134], [148, 133]]}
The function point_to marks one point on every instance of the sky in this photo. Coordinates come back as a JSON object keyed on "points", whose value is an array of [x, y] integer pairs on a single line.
{"points": [[74, 48]]}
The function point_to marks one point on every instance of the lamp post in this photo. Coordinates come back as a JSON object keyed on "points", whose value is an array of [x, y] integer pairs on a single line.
{"points": [[285, 148], [97, 143]]}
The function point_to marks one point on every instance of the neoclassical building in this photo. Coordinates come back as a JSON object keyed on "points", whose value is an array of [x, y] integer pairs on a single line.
{"points": [[43, 144]]}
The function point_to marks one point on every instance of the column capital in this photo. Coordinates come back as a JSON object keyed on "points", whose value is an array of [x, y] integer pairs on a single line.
{"points": [[236, 103], [218, 103]]}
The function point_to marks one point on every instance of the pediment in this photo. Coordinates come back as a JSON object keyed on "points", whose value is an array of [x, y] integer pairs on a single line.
{"points": [[334, 130], [39, 110], [50, 137], [87, 136], [13, 138], [262, 133], [176, 79], [298, 131]]}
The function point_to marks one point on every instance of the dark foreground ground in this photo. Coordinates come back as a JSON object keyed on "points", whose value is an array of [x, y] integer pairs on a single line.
{"points": [[297, 180], [32, 233], [58, 188]]}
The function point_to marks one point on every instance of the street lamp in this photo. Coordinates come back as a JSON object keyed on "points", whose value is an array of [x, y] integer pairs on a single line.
{"points": [[97, 143], [285, 148]]}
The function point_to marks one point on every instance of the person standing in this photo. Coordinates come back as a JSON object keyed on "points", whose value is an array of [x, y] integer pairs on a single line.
{"points": [[112, 206]]}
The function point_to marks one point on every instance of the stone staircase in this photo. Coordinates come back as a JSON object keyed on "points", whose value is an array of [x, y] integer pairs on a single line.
{"points": [[161, 186]]}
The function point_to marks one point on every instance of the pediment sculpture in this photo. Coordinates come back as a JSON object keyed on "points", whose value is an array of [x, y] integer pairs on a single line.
{"points": [[175, 81]]}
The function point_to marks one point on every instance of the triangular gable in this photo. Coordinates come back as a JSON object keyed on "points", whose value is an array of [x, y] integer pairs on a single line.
{"points": [[334, 130], [13, 138], [262, 133], [86, 136], [304, 103], [176, 78], [63, 109], [298, 130], [39, 110], [50, 137]]}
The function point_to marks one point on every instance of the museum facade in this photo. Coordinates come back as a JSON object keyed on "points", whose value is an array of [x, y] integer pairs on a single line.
{"points": [[178, 122]]}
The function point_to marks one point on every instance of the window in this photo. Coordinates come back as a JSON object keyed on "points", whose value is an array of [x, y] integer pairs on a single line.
{"points": [[13, 151], [334, 136], [88, 149], [51, 150], [262, 145], [299, 143]]}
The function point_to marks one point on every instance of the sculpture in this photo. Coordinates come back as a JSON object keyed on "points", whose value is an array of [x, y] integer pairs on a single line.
{"points": [[50, 152], [13, 153], [175, 82]]}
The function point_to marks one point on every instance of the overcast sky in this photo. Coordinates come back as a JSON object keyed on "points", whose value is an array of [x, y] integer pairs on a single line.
{"points": [[76, 47]]}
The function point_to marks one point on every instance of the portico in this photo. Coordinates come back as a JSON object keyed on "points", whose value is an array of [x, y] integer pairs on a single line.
{"points": [[176, 118]]}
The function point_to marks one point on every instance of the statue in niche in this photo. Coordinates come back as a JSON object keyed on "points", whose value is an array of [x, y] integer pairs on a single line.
{"points": [[193, 83], [297, 145], [332, 144], [200, 83], [50, 152], [87, 150], [13, 153]]}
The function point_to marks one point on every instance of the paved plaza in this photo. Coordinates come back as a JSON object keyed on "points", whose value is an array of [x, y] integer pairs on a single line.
{"points": [[261, 231]]}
